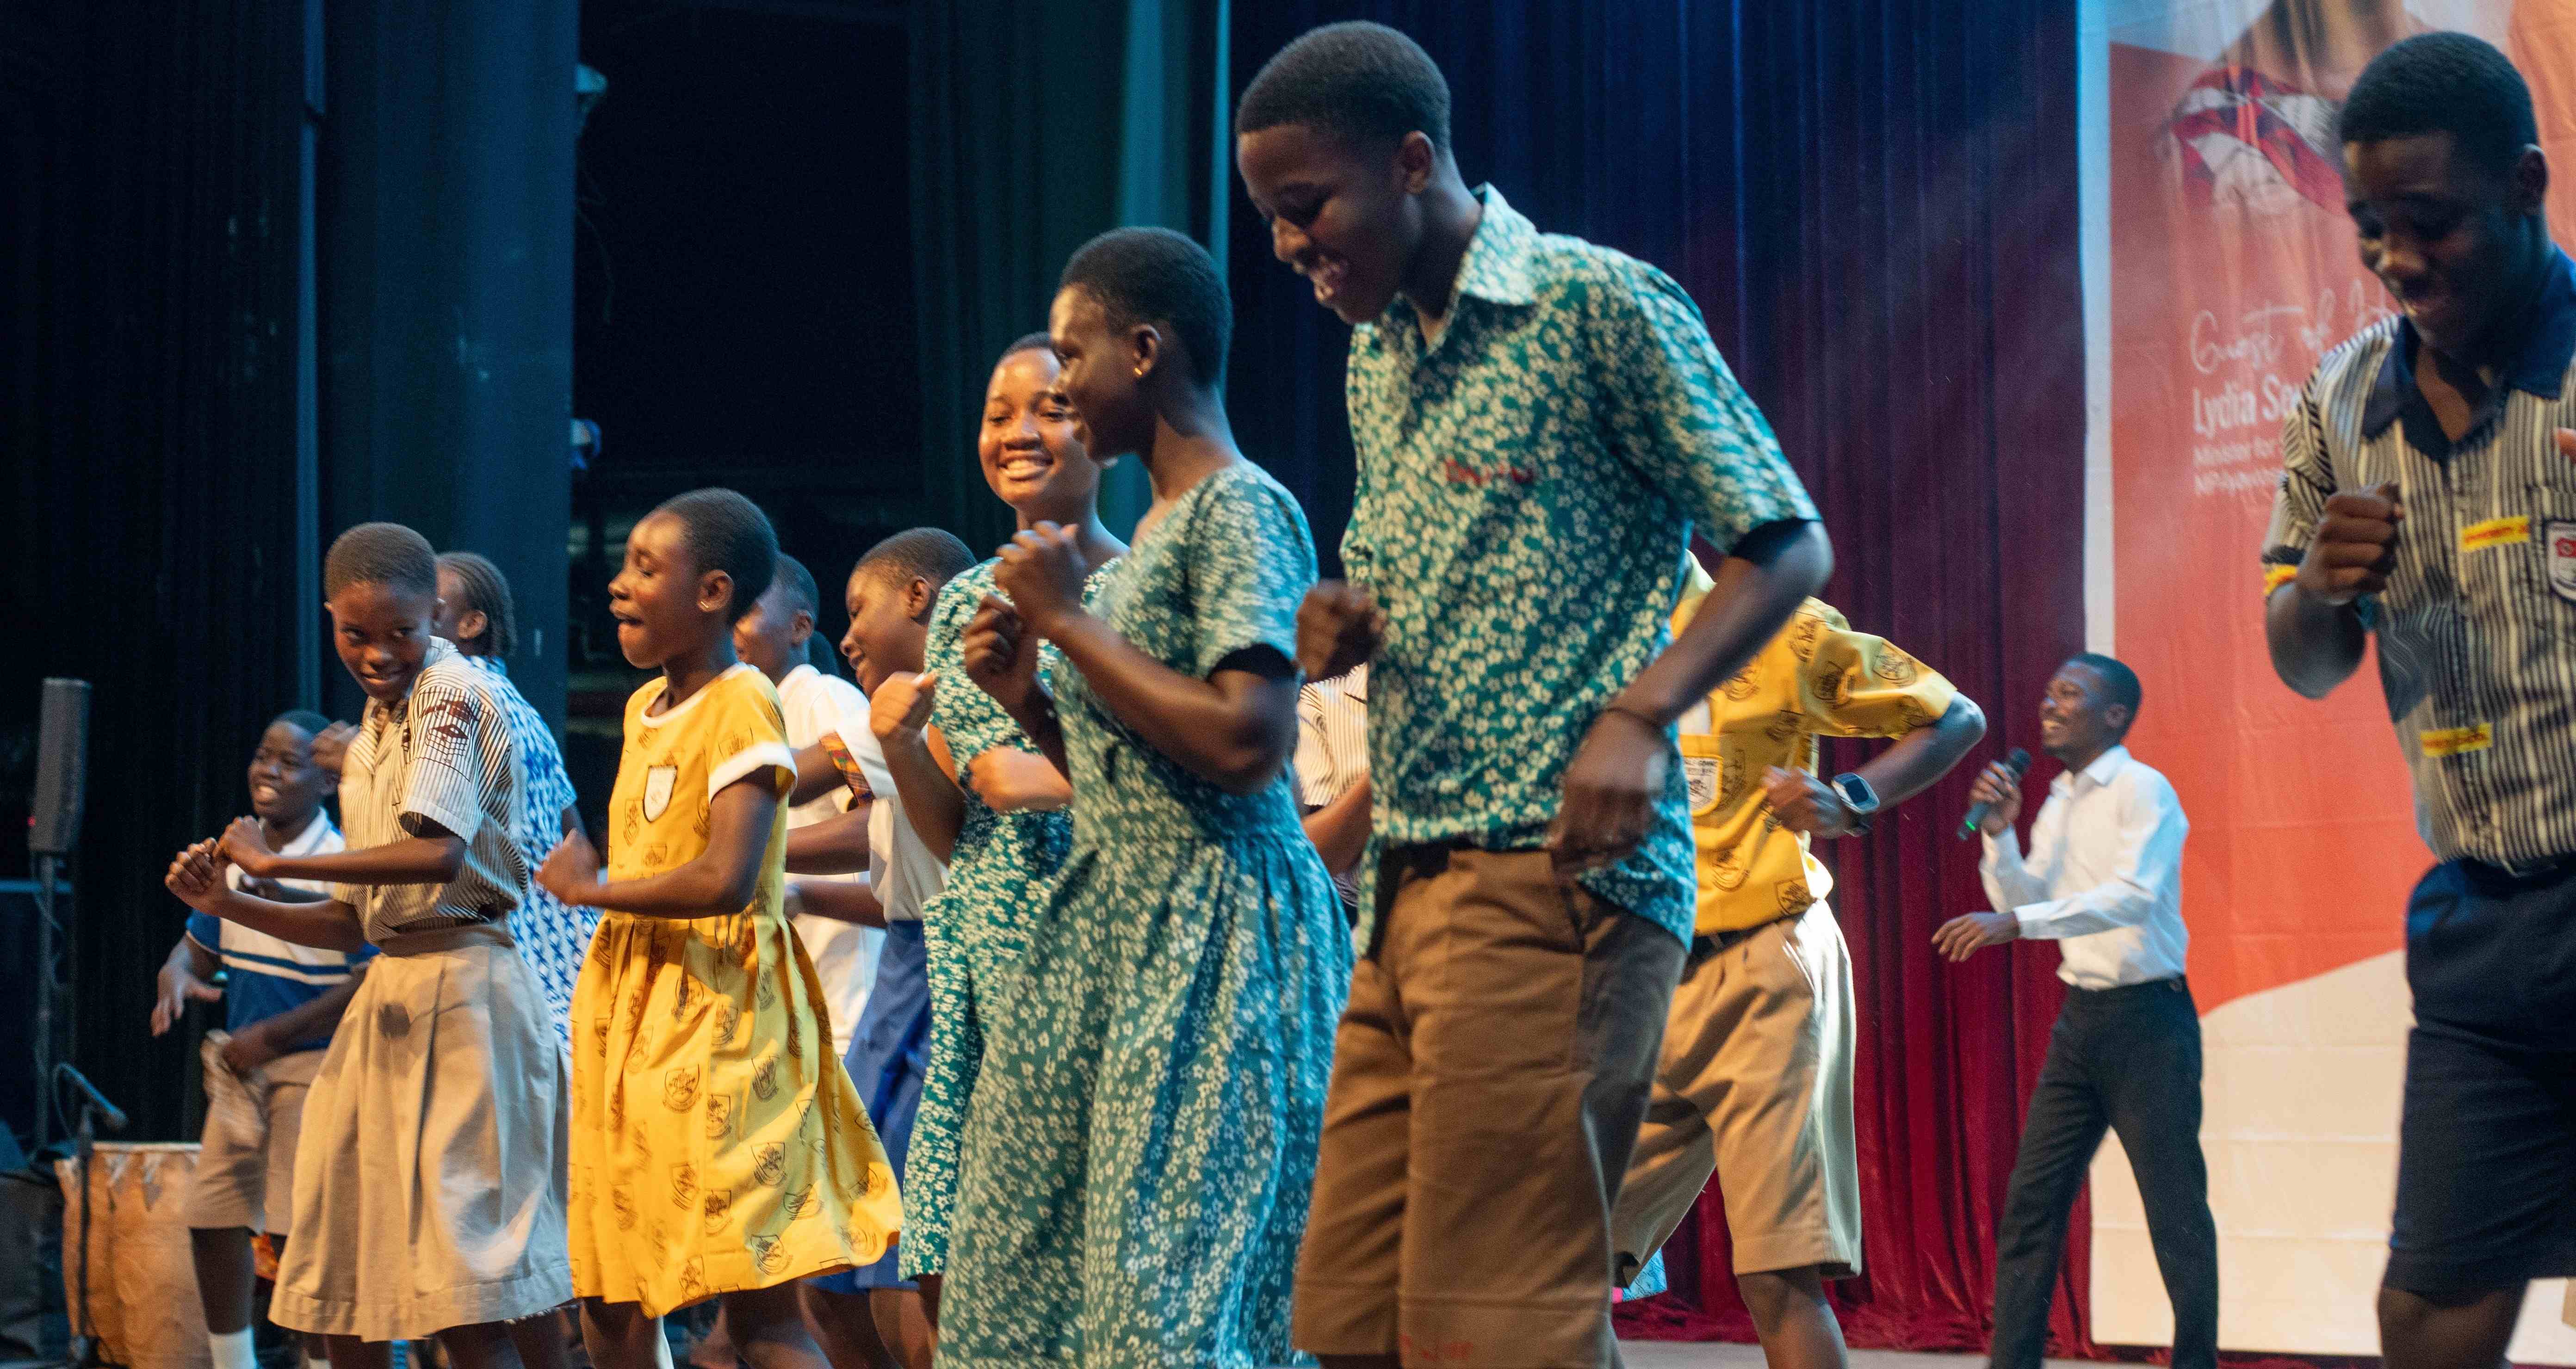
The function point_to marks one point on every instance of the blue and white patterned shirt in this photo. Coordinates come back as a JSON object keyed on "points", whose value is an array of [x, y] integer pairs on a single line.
{"points": [[1528, 484], [553, 939]]}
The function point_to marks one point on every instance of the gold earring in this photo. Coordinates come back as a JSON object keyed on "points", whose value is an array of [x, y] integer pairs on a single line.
{"points": [[1140, 373]]}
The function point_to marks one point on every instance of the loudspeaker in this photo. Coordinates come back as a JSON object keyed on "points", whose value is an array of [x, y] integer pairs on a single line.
{"points": [[62, 765]]}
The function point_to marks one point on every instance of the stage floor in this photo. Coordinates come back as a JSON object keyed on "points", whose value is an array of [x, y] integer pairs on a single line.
{"points": [[1688, 1355]]}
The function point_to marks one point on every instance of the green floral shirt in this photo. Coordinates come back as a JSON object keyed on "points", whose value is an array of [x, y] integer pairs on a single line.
{"points": [[1527, 488]]}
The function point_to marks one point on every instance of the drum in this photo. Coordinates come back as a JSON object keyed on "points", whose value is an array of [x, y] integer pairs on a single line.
{"points": [[142, 1276]]}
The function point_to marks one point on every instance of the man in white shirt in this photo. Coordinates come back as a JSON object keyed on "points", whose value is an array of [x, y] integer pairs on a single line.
{"points": [[2104, 880], [777, 638]]}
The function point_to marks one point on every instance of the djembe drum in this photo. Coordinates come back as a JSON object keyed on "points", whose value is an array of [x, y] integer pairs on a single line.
{"points": [[143, 1304]]}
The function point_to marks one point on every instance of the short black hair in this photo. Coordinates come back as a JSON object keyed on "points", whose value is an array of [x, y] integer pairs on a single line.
{"points": [[304, 719], [2452, 83], [799, 584], [724, 531], [1358, 80], [387, 554], [2119, 683], [933, 555], [1026, 342], [487, 591], [1157, 276]]}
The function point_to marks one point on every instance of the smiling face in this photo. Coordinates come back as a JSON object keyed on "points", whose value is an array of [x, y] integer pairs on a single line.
{"points": [[1098, 374], [1345, 217], [664, 605], [2447, 237], [889, 624], [382, 633], [1030, 445], [285, 785], [2076, 723]]}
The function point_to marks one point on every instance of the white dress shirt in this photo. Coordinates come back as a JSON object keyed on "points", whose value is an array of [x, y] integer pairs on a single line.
{"points": [[844, 953], [2104, 874]]}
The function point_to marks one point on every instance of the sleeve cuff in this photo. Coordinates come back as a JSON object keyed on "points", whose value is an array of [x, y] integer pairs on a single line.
{"points": [[762, 756], [460, 823]]}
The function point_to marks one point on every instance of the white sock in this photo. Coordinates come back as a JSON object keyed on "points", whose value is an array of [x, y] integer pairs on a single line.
{"points": [[232, 1349], [312, 1363]]}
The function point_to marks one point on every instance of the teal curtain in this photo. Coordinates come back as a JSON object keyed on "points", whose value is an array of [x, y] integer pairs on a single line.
{"points": [[1035, 128]]}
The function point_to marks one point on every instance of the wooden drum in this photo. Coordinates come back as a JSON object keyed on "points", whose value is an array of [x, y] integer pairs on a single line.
{"points": [[142, 1275]]}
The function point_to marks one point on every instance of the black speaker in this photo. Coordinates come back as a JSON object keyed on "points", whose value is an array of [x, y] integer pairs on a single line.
{"points": [[62, 765]]}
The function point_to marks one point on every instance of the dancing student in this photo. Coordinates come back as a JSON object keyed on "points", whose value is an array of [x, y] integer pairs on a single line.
{"points": [[1541, 424], [1140, 1150], [2103, 879], [1332, 776], [1754, 1083], [477, 617], [891, 592], [281, 1002], [429, 1180], [2428, 498], [717, 1150], [776, 638], [975, 788]]}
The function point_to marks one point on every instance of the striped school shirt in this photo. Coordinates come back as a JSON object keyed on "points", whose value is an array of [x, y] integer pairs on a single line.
{"points": [[442, 755], [2477, 628], [1332, 751], [553, 938]]}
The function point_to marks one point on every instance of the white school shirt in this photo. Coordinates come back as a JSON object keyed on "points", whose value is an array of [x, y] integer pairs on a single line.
{"points": [[2104, 874], [844, 953], [901, 869]]}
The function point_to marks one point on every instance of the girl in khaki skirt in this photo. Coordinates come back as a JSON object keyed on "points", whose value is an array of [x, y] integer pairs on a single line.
{"points": [[429, 1194], [718, 1149]]}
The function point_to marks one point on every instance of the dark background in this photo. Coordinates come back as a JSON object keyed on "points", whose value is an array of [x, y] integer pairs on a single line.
{"points": [[780, 254]]}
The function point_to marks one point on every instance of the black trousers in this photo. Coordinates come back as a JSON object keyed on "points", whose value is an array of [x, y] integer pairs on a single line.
{"points": [[2125, 1060]]}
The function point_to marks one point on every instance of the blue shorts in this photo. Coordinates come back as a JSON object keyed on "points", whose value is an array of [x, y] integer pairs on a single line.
{"points": [[888, 1052], [2486, 1158]]}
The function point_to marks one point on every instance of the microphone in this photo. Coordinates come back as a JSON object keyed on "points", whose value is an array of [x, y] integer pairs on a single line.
{"points": [[108, 1113], [2018, 762]]}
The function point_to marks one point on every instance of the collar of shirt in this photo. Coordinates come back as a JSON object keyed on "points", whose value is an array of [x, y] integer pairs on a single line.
{"points": [[381, 714], [1496, 269], [2097, 774], [2538, 369], [1355, 684]]}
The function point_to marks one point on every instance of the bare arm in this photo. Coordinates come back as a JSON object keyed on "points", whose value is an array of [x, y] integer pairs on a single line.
{"points": [[925, 776], [1924, 755], [842, 900], [433, 858], [184, 979], [815, 775], [2316, 646], [2313, 622], [1772, 572], [1010, 780], [1340, 829], [838, 845], [329, 925], [718, 883]]}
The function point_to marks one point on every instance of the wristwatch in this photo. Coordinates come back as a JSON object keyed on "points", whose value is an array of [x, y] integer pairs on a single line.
{"points": [[1859, 798]]}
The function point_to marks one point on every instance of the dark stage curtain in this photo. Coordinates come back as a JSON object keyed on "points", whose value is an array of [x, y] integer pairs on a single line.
{"points": [[1875, 205], [148, 444]]}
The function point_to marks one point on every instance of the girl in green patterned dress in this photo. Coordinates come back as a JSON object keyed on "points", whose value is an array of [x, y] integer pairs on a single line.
{"points": [[975, 788], [1138, 1160]]}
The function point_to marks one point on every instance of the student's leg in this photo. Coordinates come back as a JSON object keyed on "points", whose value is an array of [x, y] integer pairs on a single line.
{"points": [[844, 1326], [769, 1329], [1793, 1319], [619, 1336], [2150, 1076], [224, 1281], [930, 1301], [540, 1341], [903, 1325], [482, 1345], [349, 1352], [2064, 1128]]}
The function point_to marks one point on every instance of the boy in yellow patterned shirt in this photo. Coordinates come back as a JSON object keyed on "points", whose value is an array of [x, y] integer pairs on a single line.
{"points": [[1754, 1082], [718, 1149]]}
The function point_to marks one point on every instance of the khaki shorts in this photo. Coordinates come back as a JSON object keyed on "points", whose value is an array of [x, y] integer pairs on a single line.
{"points": [[246, 1163], [1488, 1081], [1755, 1085]]}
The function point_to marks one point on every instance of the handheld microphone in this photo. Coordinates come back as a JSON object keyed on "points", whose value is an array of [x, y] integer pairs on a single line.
{"points": [[2018, 762]]}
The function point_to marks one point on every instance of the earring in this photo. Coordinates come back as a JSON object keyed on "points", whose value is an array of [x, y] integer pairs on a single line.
{"points": [[1140, 373]]}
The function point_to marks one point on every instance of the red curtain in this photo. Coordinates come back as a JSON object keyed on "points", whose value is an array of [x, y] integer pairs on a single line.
{"points": [[1874, 203]]}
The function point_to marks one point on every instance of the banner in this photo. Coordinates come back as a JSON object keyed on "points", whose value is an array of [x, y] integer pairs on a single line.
{"points": [[2220, 265]]}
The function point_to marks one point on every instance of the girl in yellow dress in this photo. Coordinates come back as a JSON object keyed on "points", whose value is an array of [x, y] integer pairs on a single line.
{"points": [[718, 1149]]}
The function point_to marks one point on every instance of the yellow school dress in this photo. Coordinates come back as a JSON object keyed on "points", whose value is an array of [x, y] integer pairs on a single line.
{"points": [[717, 1146]]}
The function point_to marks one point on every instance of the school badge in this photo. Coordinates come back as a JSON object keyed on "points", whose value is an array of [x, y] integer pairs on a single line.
{"points": [[2560, 538], [658, 783]]}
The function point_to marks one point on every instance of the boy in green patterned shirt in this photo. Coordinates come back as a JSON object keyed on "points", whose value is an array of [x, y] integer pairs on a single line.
{"points": [[1542, 423]]}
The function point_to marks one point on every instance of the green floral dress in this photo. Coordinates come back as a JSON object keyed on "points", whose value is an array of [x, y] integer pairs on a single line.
{"points": [[976, 925], [1141, 1150]]}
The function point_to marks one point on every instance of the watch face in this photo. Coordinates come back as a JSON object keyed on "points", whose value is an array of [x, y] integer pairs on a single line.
{"points": [[1856, 793]]}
